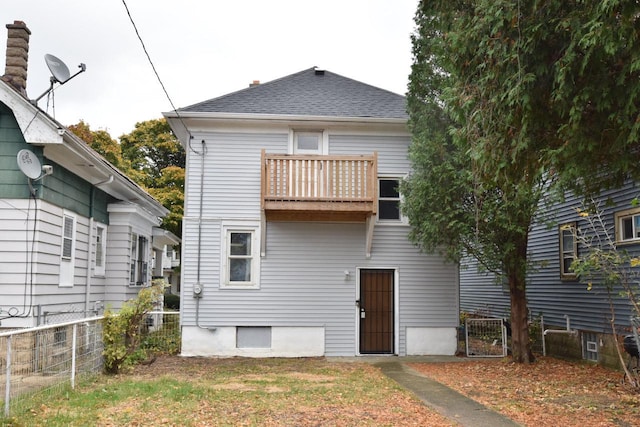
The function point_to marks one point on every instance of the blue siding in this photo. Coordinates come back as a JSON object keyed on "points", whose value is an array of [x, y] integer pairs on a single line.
{"points": [[547, 294]]}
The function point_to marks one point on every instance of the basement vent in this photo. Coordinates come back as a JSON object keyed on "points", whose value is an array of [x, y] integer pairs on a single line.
{"points": [[589, 346]]}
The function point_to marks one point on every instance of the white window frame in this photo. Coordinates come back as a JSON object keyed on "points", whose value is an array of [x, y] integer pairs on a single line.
{"points": [[100, 255], [621, 217], [564, 230], [254, 256], [139, 260], [322, 141], [67, 260], [402, 220]]}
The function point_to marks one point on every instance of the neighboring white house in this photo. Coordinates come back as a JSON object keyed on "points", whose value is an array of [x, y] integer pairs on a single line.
{"points": [[73, 241], [293, 241]]}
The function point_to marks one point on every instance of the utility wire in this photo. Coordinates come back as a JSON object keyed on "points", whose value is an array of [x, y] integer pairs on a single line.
{"points": [[154, 69]]}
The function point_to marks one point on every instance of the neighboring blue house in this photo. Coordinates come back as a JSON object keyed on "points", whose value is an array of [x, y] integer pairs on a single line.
{"points": [[77, 239], [553, 290], [293, 241]]}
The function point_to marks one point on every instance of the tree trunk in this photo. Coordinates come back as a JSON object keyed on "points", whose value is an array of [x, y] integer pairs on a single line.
{"points": [[520, 345]]}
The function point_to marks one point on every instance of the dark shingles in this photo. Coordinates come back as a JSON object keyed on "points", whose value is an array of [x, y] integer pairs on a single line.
{"points": [[309, 93]]}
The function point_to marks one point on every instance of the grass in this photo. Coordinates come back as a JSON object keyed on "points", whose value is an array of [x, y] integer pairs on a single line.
{"points": [[194, 392]]}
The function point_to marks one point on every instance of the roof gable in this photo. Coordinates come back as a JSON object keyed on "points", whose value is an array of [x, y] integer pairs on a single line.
{"points": [[310, 92]]}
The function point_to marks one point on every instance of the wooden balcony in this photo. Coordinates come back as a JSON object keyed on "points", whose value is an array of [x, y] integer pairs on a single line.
{"points": [[319, 188]]}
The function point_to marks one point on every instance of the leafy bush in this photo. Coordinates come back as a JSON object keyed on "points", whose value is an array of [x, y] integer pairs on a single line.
{"points": [[172, 301], [121, 331]]}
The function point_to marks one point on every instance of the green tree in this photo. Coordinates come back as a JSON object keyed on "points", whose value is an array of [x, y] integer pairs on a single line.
{"points": [[151, 147], [102, 142], [156, 154], [509, 102]]}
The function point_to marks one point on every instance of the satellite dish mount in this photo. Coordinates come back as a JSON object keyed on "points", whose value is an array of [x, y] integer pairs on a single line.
{"points": [[59, 73], [29, 164]]}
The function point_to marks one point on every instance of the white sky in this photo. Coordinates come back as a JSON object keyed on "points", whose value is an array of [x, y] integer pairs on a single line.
{"points": [[202, 49]]}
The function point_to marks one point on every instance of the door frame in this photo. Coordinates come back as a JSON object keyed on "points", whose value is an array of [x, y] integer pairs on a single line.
{"points": [[396, 310]]}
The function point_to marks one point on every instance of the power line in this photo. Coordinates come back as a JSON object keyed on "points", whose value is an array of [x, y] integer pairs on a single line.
{"points": [[154, 67]]}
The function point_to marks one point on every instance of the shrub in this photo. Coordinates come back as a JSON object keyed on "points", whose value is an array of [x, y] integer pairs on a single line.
{"points": [[172, 301], [121, 331]]}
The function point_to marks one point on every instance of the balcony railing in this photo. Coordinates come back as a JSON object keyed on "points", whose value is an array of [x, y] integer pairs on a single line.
{"points": [[316, 183]]}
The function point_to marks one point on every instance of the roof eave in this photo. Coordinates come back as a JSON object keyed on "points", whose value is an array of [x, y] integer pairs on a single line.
{"points": [[178, 120]]}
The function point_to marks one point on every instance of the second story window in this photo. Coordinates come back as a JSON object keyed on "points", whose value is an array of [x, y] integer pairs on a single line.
{"points": [[628, 226], [308, 142], [389, 199]]}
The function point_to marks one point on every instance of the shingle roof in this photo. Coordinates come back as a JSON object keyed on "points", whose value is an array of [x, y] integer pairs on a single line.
{"points": [[310, 92]]}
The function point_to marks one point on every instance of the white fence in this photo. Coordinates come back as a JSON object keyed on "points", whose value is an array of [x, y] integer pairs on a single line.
{"points": [[51, 357], [48, 357]]}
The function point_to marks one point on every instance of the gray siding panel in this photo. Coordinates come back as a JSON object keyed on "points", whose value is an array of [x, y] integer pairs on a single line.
{"points": [[231, 174], [392, 150], [303, 282]]}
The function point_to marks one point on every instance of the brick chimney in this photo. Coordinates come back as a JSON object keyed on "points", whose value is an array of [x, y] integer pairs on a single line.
{"points": [[15, 72]]}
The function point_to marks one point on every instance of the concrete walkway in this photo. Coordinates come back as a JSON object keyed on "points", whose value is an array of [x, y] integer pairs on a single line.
{"points": [[441, 398]]}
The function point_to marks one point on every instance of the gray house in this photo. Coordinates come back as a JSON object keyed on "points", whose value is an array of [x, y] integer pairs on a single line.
{"points": [[576, 315], [293, 241], [80, 235]]}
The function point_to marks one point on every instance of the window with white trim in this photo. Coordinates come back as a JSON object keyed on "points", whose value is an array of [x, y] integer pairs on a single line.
{"points": [[389, 200], [101, 250], [67, 249], [568, 249], [308, 142], [139, 260], [240, 259], [628, 226]]}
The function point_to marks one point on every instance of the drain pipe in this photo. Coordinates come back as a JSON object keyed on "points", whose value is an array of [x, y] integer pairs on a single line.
{"points": [[568, 331]]}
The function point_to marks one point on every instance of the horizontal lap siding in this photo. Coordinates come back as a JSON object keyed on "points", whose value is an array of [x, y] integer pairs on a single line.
{"points": [[392, 150], [231, 174], [547, 294], [30, 272], [302, 280]]}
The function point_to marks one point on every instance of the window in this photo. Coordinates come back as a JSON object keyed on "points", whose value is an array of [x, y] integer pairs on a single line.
{"points": [[568, 249], [101, 250], [139, 260], [67, 237], [240, 258], [389, 199], [308, 142], [589, 346], [628, 226], [67, 250]]}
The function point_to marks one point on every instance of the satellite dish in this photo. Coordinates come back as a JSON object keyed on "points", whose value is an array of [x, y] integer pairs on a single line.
{"points": [[29, 164], [59, 69], [59, 73]]}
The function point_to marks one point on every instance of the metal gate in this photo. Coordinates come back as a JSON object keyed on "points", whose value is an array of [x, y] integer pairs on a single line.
{"points": [[486, 338]]}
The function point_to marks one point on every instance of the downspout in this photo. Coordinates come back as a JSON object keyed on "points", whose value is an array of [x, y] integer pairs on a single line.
{"points": [[568, 331], [87, 295]]}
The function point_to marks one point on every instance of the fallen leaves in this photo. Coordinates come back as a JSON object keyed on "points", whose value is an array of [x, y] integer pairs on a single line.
{"points": [[549, 392]]}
